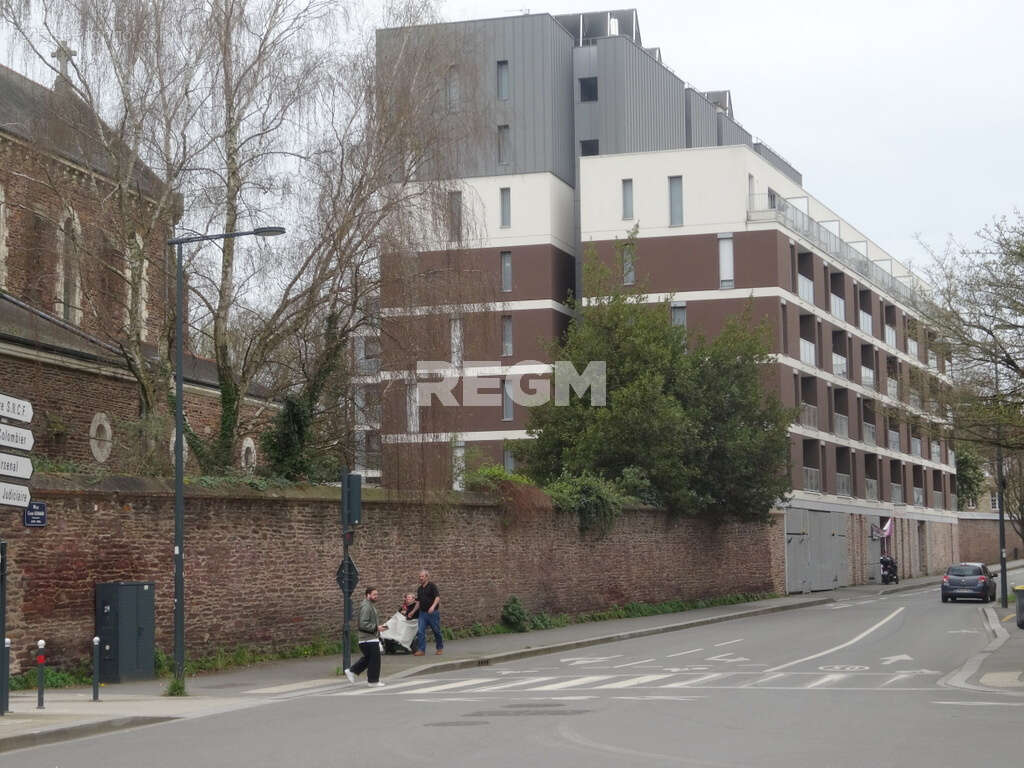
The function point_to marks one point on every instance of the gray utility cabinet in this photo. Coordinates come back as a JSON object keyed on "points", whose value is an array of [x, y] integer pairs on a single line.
{"points": [[125, 627]]}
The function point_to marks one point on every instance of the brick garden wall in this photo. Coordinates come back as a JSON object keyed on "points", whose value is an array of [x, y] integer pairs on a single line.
{"points": [[979, 541], [260, 567]]}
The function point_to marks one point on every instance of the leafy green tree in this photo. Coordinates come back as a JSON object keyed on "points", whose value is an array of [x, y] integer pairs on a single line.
{"points": [[688, 419], [970, 474]]}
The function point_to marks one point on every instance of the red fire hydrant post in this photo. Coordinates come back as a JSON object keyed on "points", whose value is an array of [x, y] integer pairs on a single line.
{"points": [[41, 663]]}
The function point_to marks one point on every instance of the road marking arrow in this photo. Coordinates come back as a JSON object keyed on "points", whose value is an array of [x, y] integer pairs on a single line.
{"points": [[894, 659], [725, 657], [963, 631], [575, 661]]}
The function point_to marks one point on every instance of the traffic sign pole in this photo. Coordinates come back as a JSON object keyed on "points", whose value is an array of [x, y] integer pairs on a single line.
{"points": [[346, 589], [4, 655]]}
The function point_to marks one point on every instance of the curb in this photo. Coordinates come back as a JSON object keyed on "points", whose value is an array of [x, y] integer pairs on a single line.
{"points": [[908, 587], [66, 733], [499, 658]]}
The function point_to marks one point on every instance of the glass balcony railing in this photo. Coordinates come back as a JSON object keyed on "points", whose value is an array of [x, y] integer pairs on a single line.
{"points": [[871, 488], [894, 440], [837, 306], [953, 501], [938, 500], [809, 415], [936, 451], [812, 479], [912, 347], [890, 336], [918, 496], [805, 288], [843, 485], [839, 367], [867, 377], [915, 400], [808, 354], [864, 322], [896, 493], [933, 361], [841, 425], [892, 388], [915, 446], [869, 434], [952, 457]]}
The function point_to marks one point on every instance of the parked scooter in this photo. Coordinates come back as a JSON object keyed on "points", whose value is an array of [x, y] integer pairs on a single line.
{"points": [[890, 573]]}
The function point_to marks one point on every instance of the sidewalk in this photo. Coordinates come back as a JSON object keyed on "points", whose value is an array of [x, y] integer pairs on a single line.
{"points": [[71, 713]]}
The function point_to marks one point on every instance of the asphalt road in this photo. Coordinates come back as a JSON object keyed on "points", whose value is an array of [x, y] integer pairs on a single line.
{"points": [[867, 681]]}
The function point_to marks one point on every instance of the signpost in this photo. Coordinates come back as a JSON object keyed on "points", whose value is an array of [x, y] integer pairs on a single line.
{"points": [[347, 575]]}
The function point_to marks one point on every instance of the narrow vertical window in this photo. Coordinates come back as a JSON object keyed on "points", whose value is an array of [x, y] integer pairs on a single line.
{"points": [[69, 272], [506, 335], [502, 81], [675, 201], [458, 465], [627, 199], [452, 89], [455, 215], [412, 408], [3, 239], [726, 278], [504, 149], [507, 411], [628, 264], [509, 460], [588, 89], [679, 313], [505, 195], [506, 271], [456, 336]]}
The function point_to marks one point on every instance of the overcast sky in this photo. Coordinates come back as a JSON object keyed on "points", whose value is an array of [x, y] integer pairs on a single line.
{"points": [[905, 117]]}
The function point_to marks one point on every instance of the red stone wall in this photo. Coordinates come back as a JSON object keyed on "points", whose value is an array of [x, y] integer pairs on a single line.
{"points": [[260, 567], [979, 541]]}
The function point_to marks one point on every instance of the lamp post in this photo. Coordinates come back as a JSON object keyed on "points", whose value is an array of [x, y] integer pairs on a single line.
{"points": [[179, 428]]}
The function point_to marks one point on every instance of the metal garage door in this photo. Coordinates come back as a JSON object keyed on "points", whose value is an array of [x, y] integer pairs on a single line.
{"points": [[816, 554]]}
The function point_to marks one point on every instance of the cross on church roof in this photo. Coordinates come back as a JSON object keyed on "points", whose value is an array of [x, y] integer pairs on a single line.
{"points": [[64, 54]]}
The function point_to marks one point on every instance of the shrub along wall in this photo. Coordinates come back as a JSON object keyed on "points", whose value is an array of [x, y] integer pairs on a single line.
{"points": [[260, 566]]}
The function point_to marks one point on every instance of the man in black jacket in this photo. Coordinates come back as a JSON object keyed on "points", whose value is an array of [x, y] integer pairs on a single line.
{"points": [[429, 600], [369, 645]]}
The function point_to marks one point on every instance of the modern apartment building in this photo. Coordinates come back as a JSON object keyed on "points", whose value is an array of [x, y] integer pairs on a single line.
{"points": [[593, 135]]}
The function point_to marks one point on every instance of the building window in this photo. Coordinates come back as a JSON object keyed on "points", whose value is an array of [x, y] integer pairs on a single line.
{"points": [[412, 408], [505, 196], [628, 264], [456, 336], [588, 89], [507, 411], [502, 81], [679, 314], [675, 201], [726, 277], [504, 149], [452, 89], [588, 147], [506, 271], [69, 273], [993, 500], [455, 215], [509, 460], [3, 239], [627, 199], [458, 465], [506, 335]]}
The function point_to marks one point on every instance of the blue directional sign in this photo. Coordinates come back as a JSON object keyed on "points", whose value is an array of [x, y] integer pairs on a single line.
{"points": [[34, 515]]}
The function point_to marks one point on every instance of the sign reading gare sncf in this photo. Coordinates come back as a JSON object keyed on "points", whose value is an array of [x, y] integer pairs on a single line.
{"points": [[12, 465]]}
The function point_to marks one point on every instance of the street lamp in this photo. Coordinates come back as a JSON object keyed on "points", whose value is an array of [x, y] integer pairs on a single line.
{"points": [[179, 429]]}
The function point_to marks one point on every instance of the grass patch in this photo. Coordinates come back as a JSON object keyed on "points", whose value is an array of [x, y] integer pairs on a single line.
{"points": [[53, 678], [246, 656]]}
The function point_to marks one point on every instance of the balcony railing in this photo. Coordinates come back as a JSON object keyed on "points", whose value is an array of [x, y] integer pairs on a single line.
{"points": [[894, 440], [766, 207], [871, 488], [918, 496], [864, 322], [808, 354], [869, 434], [841, 425], [938, 500], [896, 493], [912, 347], [843, 485], [867, 377], [890, 336], [915, 400], [812, 479], [369, 366], [839, 367], [936, 451], [809, 415], [892, 388], [953, 501], [951, 454], [805, 288], [933, 361], [915, 446], [837, 306]]}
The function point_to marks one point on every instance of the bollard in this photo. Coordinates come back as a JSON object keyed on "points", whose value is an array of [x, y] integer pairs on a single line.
{"points": [[1018, 593], [95, 669], [5, 676], [41, 662]]}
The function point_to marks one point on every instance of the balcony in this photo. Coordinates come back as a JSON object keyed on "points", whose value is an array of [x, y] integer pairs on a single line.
{"points": [[933, 361], [864, 322], [869, 434], [369, 366], [915, 400], [892, 388], [953, 501], [912, 348], [841, 425], [936, 451], [808, 353], [871, 488], [867, 377], [890, 336], [915, 446], [839, 367], [837, 305], [805, 288], [843, 485], [896, 493], [918, 496], [938, 500], [951, 457], [812, 479], [776, 208], [809, 415], [894, 440]]}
